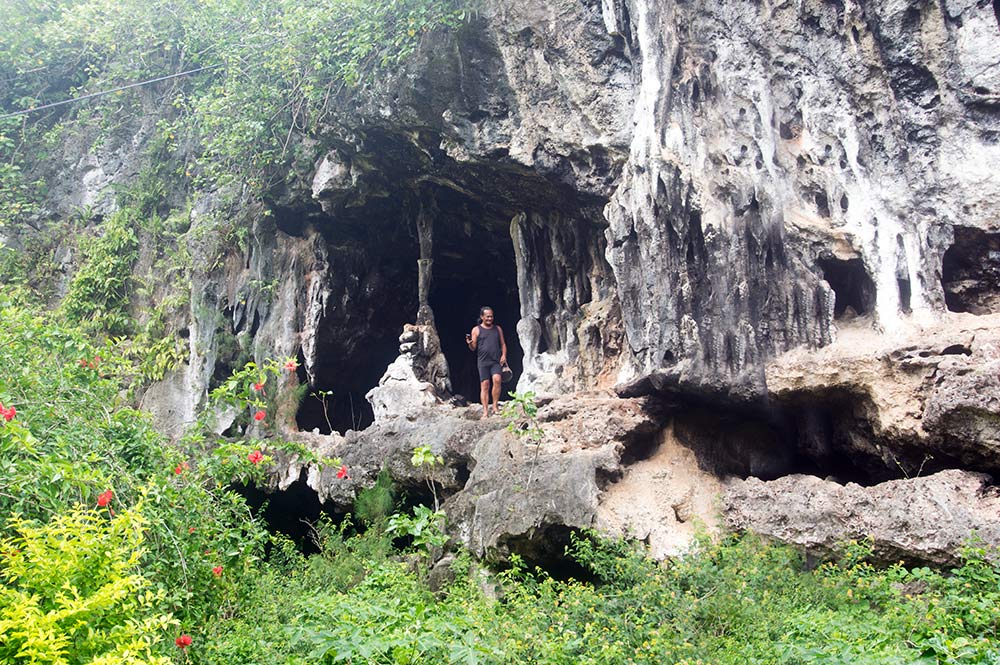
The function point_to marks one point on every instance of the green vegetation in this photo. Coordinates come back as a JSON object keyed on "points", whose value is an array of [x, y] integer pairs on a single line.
{"points": [[98, 294], [117, 546], [265, 72], [116, 543]]}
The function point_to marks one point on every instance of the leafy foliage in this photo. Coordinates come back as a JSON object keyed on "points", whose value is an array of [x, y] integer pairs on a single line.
{"points": [[374, 504], [74, 592], [263, 72], [183, 554], [99, 292]]}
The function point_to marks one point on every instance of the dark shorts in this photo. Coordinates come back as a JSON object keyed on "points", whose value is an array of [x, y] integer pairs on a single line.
{"points": [[488, 369]]}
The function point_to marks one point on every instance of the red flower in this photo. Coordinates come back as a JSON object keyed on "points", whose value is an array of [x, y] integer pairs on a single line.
{"points": [[217, 571], [255, 457], [83, 362], [260, 415], [181, 468], [291, 365], [190, 529], [184, 641], [342, 473], [8, 414], [258, 387], [104, 498]]}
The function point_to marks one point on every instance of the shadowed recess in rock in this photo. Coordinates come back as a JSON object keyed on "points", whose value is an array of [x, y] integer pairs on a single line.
{"points": [[970, 272], [825, 434], [473, 267], [852, 285], [371, 286], [545, 548], [292, 512]]}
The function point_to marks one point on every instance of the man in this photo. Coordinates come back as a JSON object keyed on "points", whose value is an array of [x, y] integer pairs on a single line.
{"points": [[487, 341]]}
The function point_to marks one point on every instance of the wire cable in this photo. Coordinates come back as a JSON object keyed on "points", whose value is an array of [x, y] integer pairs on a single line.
{"points": [[92, 95]]}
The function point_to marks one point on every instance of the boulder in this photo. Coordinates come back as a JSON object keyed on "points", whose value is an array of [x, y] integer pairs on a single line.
{"points": [[927, 520]]}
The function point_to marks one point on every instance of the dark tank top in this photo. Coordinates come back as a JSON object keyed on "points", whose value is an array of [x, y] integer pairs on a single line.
{"points": [[488, 346]]}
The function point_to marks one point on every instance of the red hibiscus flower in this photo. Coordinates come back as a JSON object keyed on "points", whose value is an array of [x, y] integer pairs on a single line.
{"points": [[258, 387], [255, 457], [342, 472], [184, 641], [104, 498], [190, 529], [291, 365], [8, 414], [181, 468], [260, 415], [217, 571]]}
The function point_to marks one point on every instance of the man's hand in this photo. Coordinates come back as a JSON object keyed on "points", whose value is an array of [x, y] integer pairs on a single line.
{"points": [[503, 360]]}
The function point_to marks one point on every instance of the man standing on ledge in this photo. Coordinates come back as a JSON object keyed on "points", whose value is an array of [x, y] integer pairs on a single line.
{"points": [[491, 353]]}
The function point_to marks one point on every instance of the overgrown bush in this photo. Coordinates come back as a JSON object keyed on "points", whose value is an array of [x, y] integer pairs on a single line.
{"points": [[99, 291], [74, 592]]}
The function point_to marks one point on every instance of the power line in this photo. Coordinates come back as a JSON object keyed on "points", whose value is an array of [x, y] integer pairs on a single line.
{"points": [[105, 92]]}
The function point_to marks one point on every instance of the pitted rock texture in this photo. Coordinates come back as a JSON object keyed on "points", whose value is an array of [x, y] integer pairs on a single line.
{"points": [[502, 491], [925, 400], [925, 519], [772, 138], [782, 214], [662, 500]]}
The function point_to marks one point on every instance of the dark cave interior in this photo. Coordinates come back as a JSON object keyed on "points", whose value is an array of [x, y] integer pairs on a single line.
{"points": [[373, 283], [970, 272], [373, 292], [823, 433], [473, 267], [373, 238], [851, 283], [292, 512]]}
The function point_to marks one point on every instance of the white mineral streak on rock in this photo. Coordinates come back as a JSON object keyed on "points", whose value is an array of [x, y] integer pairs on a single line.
{"points": [[634, 196], [645, 142], [316, 298]]}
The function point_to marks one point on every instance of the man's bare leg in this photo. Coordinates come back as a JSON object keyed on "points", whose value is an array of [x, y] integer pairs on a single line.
{"points": [[484, 397], [496, 394]]}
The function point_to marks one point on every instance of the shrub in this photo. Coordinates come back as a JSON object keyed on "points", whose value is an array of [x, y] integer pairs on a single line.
{"points": [[74, 592]]}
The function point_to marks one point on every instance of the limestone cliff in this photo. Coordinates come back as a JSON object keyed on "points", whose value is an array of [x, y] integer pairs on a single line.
{"points": [[724, 239]]}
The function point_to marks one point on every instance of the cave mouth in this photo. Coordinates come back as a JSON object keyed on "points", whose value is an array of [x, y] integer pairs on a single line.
{"points": [[293, 512], [970, 272], [824, 433], [371, 292], [546, 548], [474, 266], [851, 284]]}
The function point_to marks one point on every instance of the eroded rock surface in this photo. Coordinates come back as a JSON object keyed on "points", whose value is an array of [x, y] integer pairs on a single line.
{"points": [[919, 519], [773, 225]]}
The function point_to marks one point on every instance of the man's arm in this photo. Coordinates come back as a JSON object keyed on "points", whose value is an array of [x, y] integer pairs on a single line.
{"points": [[473, 339], [503, 347]]}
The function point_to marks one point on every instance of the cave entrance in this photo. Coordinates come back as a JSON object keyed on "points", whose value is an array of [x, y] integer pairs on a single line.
{"points": [[851, 284], [970, 272], [293, 512], [370, 292], [474, 266]]}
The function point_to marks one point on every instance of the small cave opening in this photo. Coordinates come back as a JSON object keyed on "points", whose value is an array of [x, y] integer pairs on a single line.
{"points": [[474, 266], [851, 284], [371, 291], [292, 512], [545, 548], [826, 434], [970, 272], [904, 295]]}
